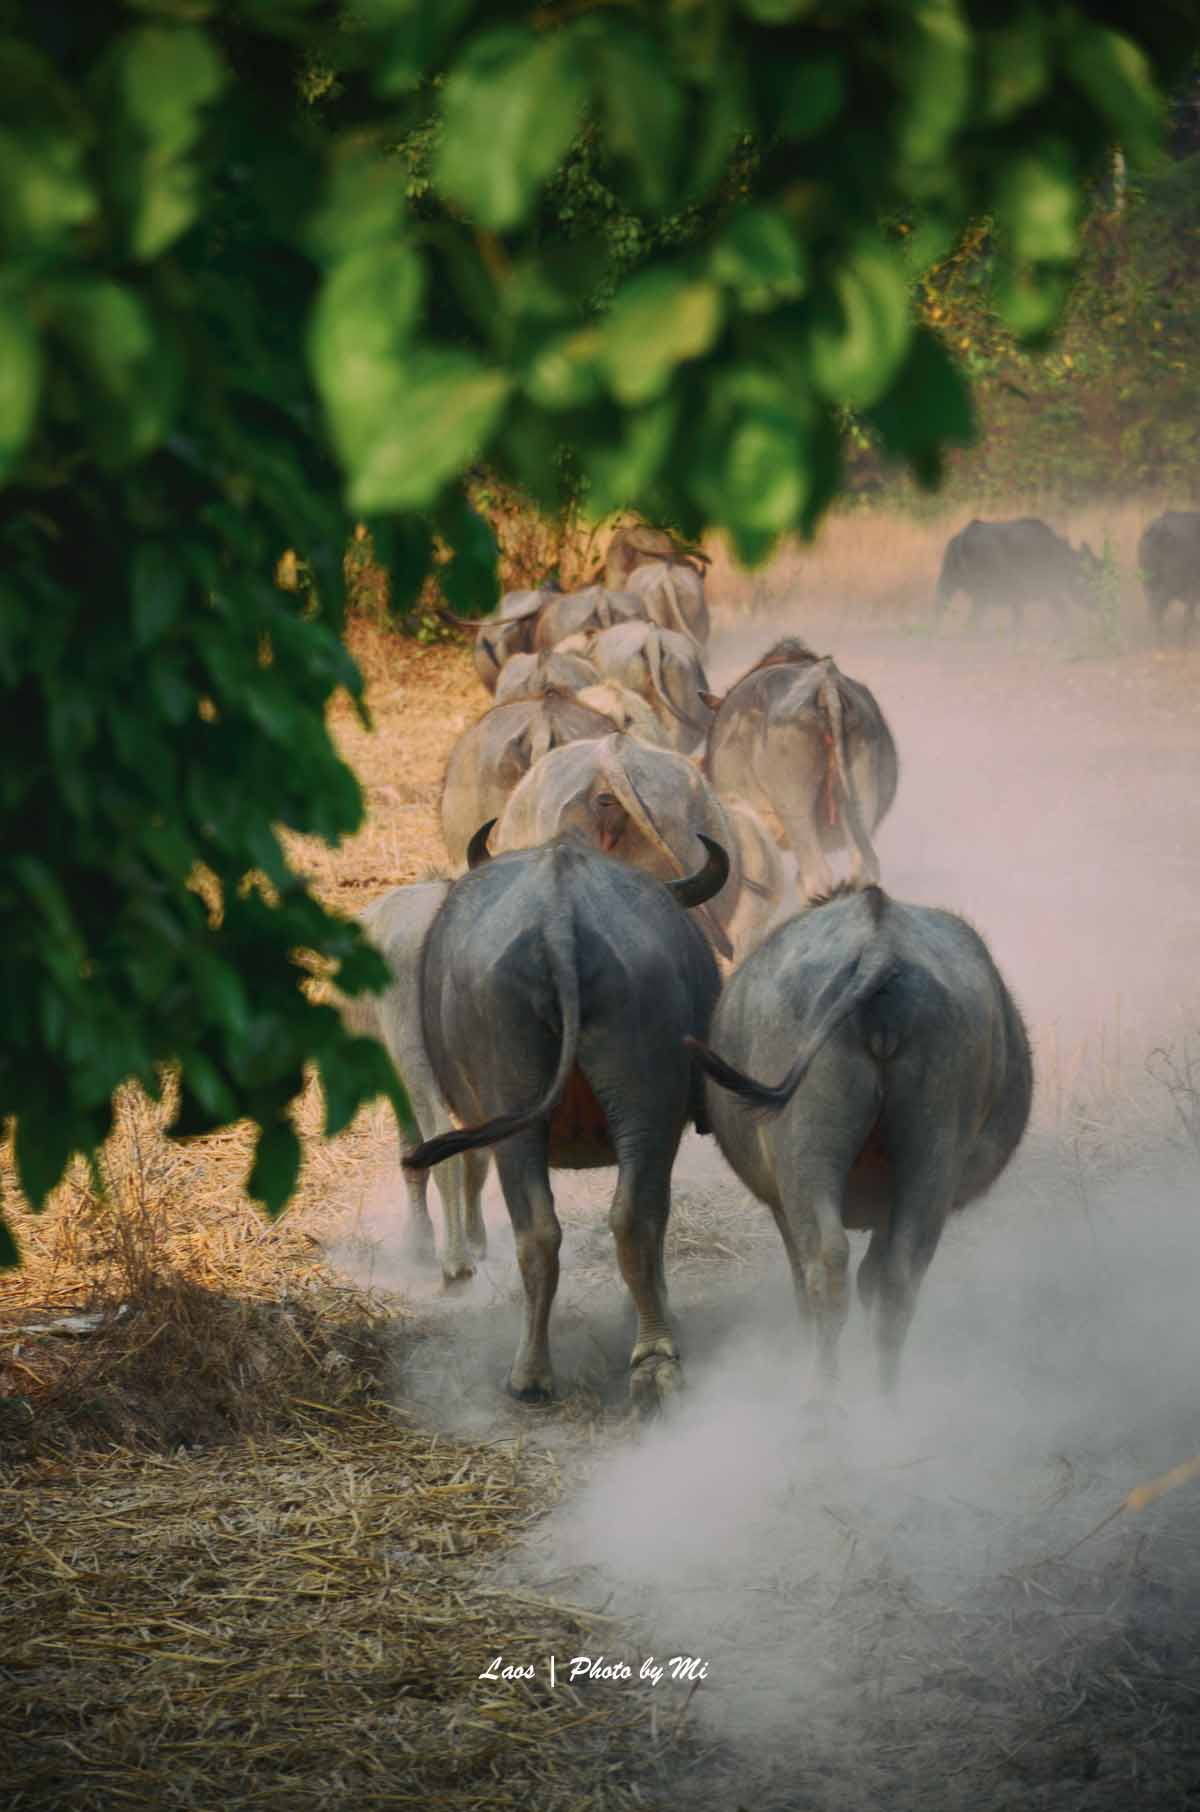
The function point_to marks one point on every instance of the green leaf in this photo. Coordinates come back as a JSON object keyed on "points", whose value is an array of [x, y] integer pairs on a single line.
{"points": [[167, 74], [158, 590], [1016, 64], [510, 108], [165, 77], [660, 318], [620, 471], [469, 581], [276, 1168], [43, 191], [750, 462], [364, 202], [810, 93], [935, 69], [1038, 205], [928, 407], [402, 447], [43, 1146], [20, 381], [112, 338], [1116, 75], [10, 1252], [760, 258], [566, 371], [862, 328], [642, 108], [362, 326]]}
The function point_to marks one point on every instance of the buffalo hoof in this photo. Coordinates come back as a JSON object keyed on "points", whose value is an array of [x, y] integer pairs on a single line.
{"points": [[654, 1382], [420, 1248], [459, 1271], [533, 1395]]}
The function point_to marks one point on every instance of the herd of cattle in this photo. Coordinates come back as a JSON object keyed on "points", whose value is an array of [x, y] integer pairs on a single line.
{"points": [[619, 960]]}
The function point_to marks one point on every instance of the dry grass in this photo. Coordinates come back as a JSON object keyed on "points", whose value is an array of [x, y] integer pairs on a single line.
{"points": [[299, 1626]]}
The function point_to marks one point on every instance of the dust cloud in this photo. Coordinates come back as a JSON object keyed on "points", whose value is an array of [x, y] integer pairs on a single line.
{"points": [[889, 1599]]}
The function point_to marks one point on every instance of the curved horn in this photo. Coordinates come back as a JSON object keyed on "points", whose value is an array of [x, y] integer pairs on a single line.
{"points": [[477, 849], [694, 890]]}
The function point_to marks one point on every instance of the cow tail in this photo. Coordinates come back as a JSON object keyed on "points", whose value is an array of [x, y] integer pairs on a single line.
{"points": [[652, 648], [848, 989], [840, 787], [564, 974]]}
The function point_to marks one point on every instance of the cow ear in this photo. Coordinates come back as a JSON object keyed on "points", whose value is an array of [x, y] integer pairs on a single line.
{"points": [[713, 700]]}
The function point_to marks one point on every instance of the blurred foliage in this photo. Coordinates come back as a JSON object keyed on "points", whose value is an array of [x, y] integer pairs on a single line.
{"points": [[267, 268], [1121, 383]]}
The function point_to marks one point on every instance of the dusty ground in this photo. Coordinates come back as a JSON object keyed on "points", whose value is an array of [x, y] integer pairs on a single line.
{"points": [[891, 1608]]}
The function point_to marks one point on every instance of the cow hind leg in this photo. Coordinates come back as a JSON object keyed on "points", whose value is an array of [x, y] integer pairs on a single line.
{"points": [[815, 1144], [638, 1218], [923, 1193], [475, 1169], [525, 1180]]}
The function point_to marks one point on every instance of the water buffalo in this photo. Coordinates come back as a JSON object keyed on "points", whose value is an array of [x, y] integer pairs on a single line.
{"points": [[628, 712], [1016, 563], [661, 666], [809, 748], [637, 545], [905, 1085], [575, 612], [649, 807], [490, 757], [509, 632], [674, 597], [396, 924], [554, 670], [1169, 561], [557, 988], [761, 892]]}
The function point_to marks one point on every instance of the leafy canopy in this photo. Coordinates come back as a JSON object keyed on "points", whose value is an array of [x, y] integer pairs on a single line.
{"points": [[231, 322]]}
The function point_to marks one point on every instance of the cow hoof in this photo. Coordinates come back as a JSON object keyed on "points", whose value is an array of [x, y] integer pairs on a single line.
{"points": [[530, 1394], [460, 1273], [654, 1383]]}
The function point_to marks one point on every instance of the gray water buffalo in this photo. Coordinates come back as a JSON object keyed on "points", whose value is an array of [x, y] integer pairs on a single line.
{"points": [[808, 748], [509, 632], [1169, 562], [637, 545], [554, 670], [576, 612], [904, 1086], [396, 924], [491, 756], [1016, 563], [627, 711], [674, 597], [649, 807], [557, 989], [661, 666], [761, 892]]}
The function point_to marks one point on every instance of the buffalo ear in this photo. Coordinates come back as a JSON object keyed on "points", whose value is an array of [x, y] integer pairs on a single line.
{"points": [[477, 849], [713, 700]]}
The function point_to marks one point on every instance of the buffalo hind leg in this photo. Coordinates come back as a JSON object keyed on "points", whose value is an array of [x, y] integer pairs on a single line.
{"points": [[638, 1218], [525, 1180], [921, 1205], [475, 1169]]}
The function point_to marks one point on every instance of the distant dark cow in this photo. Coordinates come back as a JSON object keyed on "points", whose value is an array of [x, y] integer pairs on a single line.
{"points": [[1016, 563], [804, 745], [1169, 559], [905, 1088], [557, 988]]}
